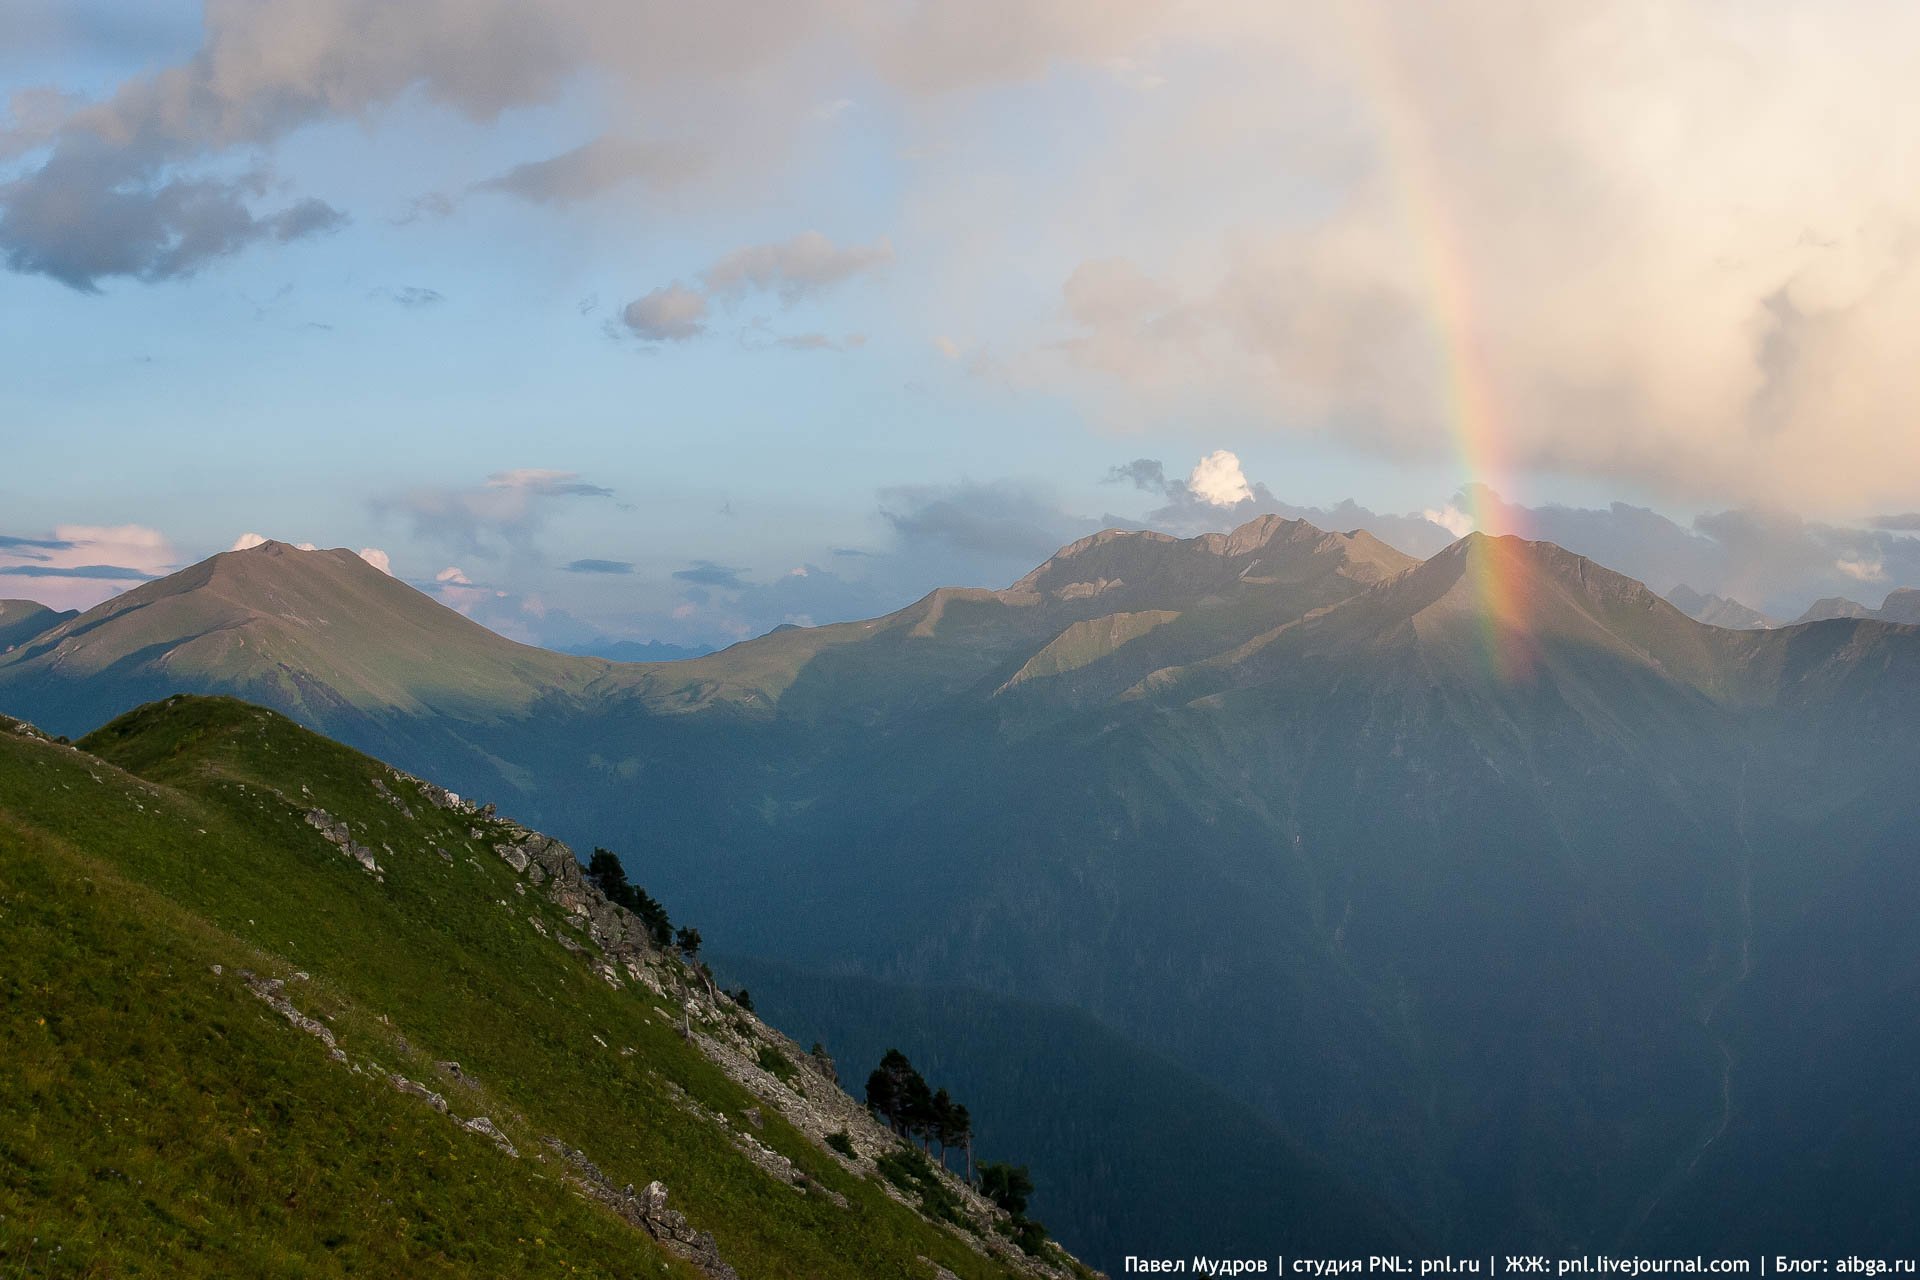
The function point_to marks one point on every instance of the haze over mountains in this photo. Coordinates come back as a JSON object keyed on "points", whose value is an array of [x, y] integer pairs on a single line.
{"points": [[1496, 886]]}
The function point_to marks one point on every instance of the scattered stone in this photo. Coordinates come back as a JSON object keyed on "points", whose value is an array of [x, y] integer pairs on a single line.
{"points": [[392, 799]]}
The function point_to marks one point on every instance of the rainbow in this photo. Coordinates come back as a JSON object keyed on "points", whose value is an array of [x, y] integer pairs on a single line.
{"points": [[1469, 393]]}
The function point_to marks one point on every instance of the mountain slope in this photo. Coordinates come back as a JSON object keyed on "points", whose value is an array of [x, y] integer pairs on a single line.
{"points": [[275, 986], [320, 634], [22, 620]]}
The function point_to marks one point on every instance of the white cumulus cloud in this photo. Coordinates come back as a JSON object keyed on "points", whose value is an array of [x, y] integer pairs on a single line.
{"points": [[1451, 518], [1219, 480]]}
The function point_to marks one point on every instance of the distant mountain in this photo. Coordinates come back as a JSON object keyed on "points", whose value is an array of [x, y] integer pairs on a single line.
{"points": [[1717, 611], [22, 620], [322, 636], [1486, 882], [637, 650], [269, 1005], [1902, 605], [1828, 608]]}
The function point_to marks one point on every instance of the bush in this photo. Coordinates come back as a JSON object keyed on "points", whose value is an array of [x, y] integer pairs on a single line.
{"points": [[775, 1063], [913, 1173], [1030, 1236], [840, 1142]]}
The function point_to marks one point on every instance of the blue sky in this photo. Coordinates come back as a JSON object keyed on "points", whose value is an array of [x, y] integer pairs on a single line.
{"points": [[883, 293]]}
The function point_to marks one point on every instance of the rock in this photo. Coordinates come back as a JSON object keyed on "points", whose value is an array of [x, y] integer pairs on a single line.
{"points": [[420, 1091], [335, 833], [647, 1210], [488, 1129], [271, 990]]}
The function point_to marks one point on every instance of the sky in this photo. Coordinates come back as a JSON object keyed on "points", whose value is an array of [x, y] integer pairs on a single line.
{"points": [[628, 319]]}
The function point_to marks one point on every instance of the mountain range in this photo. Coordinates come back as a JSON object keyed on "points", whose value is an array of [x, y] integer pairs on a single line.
{"points": [[1500, 894]]}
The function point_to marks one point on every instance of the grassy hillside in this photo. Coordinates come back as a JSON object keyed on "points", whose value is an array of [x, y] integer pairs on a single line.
{"points": [[171, 902]]}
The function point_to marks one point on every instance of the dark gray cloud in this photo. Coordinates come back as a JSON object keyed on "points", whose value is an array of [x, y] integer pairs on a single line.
{"points": [[1145, 474], [26, 546], [598, 566], [705, 573], [998, 520], [100, 572], [594, 168], [94, 211]]}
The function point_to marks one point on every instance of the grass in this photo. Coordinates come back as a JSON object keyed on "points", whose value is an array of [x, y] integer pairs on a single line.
{"points": [[155, 1114]]}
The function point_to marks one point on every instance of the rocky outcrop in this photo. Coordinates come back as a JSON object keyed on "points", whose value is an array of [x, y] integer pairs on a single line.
{"points": [[335, 833], [646, 1209], [273, 992]]}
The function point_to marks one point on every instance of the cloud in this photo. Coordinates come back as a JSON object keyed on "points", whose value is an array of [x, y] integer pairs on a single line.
{"points": [[247, 541], [1862, 569], [502, 514], [705, 573], [378, 559], [1908, 522], [1218, 480], [592, 169], [821, 342], [1451, 518], [1145, 474], [27, 546], [598, 566], [453, 576], [795, 269], [92, 572], [547, 484], [91, 212], [1002, 520], [671, 313], [1732, 262], [412, 297], [77, 566]]}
